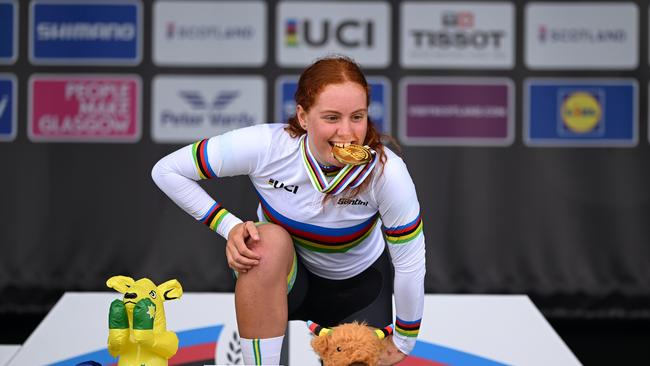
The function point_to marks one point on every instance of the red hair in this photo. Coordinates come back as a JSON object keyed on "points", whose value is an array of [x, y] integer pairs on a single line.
{"points": [[324, 72]]}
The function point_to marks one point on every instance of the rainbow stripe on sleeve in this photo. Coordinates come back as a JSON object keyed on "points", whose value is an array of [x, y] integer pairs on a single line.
{"points": [[319, 238], [408, 329], [214, 216], [200, 155], [405, 233]]}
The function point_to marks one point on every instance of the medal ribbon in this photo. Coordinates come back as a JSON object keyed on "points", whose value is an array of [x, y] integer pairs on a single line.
{"points": [[349, 176]]}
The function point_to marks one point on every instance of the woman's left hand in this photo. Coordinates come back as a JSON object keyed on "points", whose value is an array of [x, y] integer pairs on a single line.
{"points": [[391, 354]]}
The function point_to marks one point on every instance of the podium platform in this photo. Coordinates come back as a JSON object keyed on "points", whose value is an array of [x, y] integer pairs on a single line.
{"points": [[474, 330]]}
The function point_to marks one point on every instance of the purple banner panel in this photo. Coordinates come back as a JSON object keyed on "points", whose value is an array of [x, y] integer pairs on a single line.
{"points": [[456, 111]]}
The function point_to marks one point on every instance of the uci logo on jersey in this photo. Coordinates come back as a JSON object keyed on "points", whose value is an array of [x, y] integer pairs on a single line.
{"points": [[277, 184]]}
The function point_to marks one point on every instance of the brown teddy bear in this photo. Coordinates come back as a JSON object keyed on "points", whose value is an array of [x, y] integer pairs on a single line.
{"points": [[349, 344]]}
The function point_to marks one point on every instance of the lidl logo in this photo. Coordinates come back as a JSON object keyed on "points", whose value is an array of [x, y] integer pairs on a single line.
{"points": [[581, 112]]}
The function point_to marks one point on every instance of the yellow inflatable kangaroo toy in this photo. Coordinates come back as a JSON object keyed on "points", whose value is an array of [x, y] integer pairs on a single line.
{"points": [[137, 331]]}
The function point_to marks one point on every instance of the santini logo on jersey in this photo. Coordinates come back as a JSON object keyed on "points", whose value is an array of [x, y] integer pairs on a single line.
{"points": [[351, 202], [277, 184]]}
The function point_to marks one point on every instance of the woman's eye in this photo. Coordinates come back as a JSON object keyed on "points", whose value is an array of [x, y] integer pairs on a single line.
{"points": [[358, 117], [331, 118]]}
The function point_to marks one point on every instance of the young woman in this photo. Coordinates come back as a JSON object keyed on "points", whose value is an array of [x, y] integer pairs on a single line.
{"points": [[334, 223]]}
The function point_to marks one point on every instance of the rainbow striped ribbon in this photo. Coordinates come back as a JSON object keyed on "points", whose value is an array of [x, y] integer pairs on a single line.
{"points": [[349, 176]]}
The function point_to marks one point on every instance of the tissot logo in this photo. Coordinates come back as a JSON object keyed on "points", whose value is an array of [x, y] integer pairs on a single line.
{"points": [[289, 188], [348, 33], [457, 33]]}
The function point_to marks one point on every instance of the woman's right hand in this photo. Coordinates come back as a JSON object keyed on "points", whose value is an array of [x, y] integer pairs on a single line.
{"points": [[240, 257]]}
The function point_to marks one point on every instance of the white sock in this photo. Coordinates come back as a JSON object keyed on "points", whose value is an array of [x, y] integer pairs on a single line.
{"points": [[264, 351]]}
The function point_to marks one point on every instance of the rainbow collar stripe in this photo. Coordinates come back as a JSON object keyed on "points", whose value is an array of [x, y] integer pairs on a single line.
{"points": [[349, 176], [319, 238]]}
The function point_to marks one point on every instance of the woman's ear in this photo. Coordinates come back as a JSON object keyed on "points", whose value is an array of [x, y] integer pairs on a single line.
{"points": [[301, 114]]}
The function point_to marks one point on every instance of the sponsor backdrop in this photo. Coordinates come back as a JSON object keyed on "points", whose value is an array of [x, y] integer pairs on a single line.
{"points": [[524, 125]]}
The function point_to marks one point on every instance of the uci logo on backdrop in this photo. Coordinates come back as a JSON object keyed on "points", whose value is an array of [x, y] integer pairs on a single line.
{"points": [[307, 31]]}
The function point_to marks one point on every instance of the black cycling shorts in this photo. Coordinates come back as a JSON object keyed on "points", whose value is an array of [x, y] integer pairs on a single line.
{"points": [[366, 297]]}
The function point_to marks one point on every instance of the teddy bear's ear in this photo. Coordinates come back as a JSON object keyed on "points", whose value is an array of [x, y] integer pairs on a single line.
{"points": [[320, 344]]}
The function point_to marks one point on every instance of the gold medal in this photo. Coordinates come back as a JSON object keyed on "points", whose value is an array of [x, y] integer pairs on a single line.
{"points": [[352, 154]]}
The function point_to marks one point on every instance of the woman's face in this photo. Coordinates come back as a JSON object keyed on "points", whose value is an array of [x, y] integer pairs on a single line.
{"points": [[339, 115]]}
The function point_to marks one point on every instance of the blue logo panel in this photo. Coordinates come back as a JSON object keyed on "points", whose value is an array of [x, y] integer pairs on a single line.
{"points": [[8, 32], [379, 109], [599, 112], [101, 33], [7, 107]]}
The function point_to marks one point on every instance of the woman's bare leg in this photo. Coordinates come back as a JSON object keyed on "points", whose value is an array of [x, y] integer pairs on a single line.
{"points": [[261, 293]]}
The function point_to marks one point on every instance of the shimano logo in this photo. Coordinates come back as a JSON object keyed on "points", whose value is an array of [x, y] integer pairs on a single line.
{"points": [[289, 188], [351, 202], [86, 31]]}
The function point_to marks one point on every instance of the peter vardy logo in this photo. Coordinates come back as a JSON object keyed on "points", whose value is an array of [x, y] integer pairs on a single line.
{"points": [[190, 108], [101, 32], [196, 100], [205, 109]]}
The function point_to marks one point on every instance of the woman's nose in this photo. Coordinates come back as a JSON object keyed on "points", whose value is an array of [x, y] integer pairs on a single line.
{"points": [[345, 128]]}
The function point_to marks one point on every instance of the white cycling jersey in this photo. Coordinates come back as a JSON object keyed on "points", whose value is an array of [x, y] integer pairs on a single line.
{"points": [[336, 238]]}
